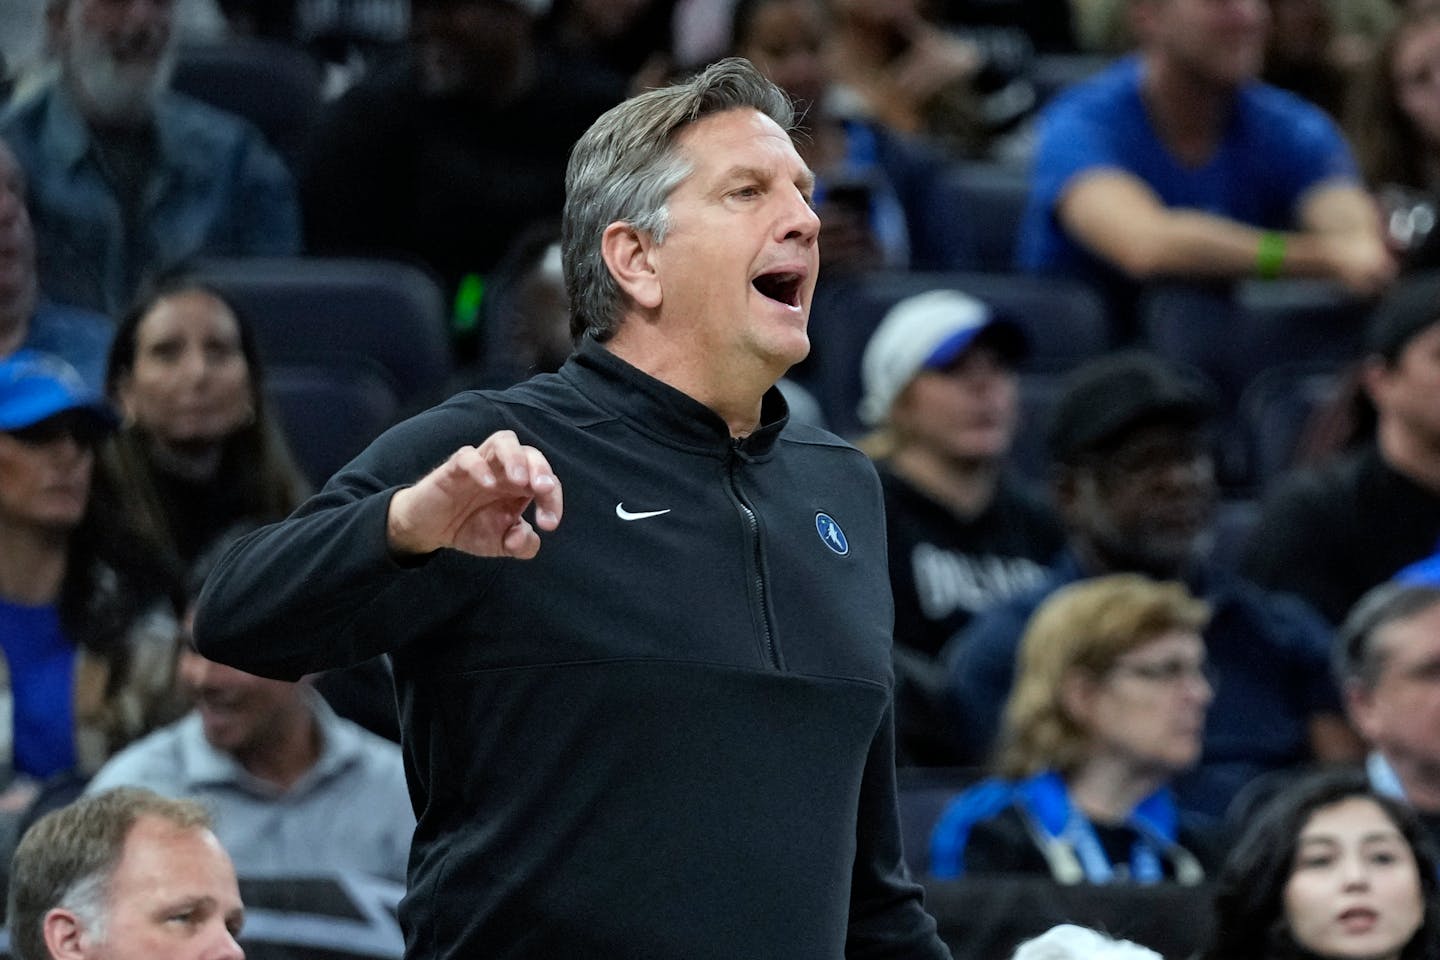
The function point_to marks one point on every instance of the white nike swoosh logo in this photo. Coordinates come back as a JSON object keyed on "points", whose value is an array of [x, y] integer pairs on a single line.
{"points": [[624, 514]]}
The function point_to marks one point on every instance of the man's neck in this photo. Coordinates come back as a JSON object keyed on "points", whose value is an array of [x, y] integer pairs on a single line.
{"points": [[1188, 112], [734, 394], [966, 486], [290, 751], [1420, 780], [1409, 453]]}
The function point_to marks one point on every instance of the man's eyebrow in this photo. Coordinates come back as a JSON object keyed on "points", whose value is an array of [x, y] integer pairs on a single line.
{"points": [[745, 172]]}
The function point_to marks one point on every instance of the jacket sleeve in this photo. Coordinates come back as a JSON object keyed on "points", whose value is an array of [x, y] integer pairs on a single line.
{"points": [[887, 912], [321, 589]]}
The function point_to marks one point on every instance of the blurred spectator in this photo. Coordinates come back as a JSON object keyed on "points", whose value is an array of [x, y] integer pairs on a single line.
{"points": [[1177, 163], [1301, 54], [893, 66], [628, 38], [1047, 24], [1394, 123], [1135, 483], [527, 311], [449, 154], [350, 36], [27, 319], [1069, 942], [1328, 870], [88, 638], [294, 789], [126, 875], [874, 186], [942, 392], [128, 178], [1108, 706], [1388, 662], [1331, 533], [199, 451]]}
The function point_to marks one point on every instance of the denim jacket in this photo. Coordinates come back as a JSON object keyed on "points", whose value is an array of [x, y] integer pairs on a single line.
{"points": [[218, 190]]}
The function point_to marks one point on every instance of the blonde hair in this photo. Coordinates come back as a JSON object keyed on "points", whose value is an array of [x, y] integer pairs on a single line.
{"points": [[1084, 627]]}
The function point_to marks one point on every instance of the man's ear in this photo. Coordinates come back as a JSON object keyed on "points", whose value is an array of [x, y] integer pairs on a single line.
{"points": [[65, 935], [1374, 377], [626, 251], [1360, 705]]}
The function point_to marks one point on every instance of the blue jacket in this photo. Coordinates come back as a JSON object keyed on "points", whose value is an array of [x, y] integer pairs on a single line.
{"points": [[218, 190]]}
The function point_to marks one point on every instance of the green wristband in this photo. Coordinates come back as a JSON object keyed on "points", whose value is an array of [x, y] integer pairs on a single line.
{"points": [[1270, 255]]}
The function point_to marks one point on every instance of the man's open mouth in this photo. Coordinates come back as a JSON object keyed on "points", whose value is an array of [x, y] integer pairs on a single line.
{"points": [[781, 287]]}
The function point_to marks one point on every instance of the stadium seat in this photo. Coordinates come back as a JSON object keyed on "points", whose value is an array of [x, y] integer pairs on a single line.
{"points": [[379, 316], [273, 85], [328, 414], [978, 208]]}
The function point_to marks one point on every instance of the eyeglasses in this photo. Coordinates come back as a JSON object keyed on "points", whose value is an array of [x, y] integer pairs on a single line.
{"points": [[1171, 673], [85, 430]]}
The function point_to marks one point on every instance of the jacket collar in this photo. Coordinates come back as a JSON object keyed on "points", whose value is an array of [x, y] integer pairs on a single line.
{"points": [[67, 136], [668, 414]]}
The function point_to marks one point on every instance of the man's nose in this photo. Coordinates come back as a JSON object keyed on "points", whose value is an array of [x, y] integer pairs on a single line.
{"points": [[226, 947], [800, 220]]}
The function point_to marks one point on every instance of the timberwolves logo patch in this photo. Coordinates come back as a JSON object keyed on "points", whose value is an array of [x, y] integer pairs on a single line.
{"points": [[831, 534]]}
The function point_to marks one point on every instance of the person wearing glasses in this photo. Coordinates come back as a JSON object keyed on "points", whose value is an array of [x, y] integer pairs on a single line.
{"points": [[86, 637], [1134, 481], [1108, 707]]}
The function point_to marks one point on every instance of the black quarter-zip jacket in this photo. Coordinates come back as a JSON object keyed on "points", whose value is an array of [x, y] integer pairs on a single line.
{"points": [[669, 734]]}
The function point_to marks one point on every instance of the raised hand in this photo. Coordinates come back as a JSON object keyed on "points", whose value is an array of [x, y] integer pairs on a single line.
{"points": [[474, 501]]}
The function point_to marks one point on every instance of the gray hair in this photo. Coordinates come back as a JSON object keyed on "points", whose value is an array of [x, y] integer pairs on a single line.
{"points": [[624, 168], [1356, 657], [68, 857]]}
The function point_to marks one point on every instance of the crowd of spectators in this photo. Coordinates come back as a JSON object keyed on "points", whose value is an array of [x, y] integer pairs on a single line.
{"points": [[1208, 144]]}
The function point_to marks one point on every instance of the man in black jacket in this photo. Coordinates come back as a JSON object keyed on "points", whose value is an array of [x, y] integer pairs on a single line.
{"points": [[668, 732]]}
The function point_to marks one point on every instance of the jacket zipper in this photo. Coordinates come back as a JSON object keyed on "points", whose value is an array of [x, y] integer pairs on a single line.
{"points": [[767, 633]]}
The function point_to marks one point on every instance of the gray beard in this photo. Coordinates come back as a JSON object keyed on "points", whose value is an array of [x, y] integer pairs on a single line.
{"points": [[113, 94]]}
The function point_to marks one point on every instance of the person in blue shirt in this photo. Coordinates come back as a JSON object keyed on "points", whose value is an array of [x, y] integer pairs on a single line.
{"points": [[1178, 163], [87, 639], [1108, 706]]}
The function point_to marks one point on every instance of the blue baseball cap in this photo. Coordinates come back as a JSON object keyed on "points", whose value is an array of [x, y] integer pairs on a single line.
{"points": [[35, 386]]}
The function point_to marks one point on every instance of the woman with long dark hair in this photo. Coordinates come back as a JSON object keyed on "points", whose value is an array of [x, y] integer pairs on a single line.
{"points": [[1328, 870], [198, 451]]}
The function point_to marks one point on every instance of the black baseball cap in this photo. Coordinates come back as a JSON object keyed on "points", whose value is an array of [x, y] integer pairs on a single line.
{"points": [[1411, 306], [1109, 397]]}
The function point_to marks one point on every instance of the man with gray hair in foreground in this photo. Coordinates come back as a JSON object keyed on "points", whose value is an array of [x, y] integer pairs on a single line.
{"points": [[124, 875], [666, 732]]}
